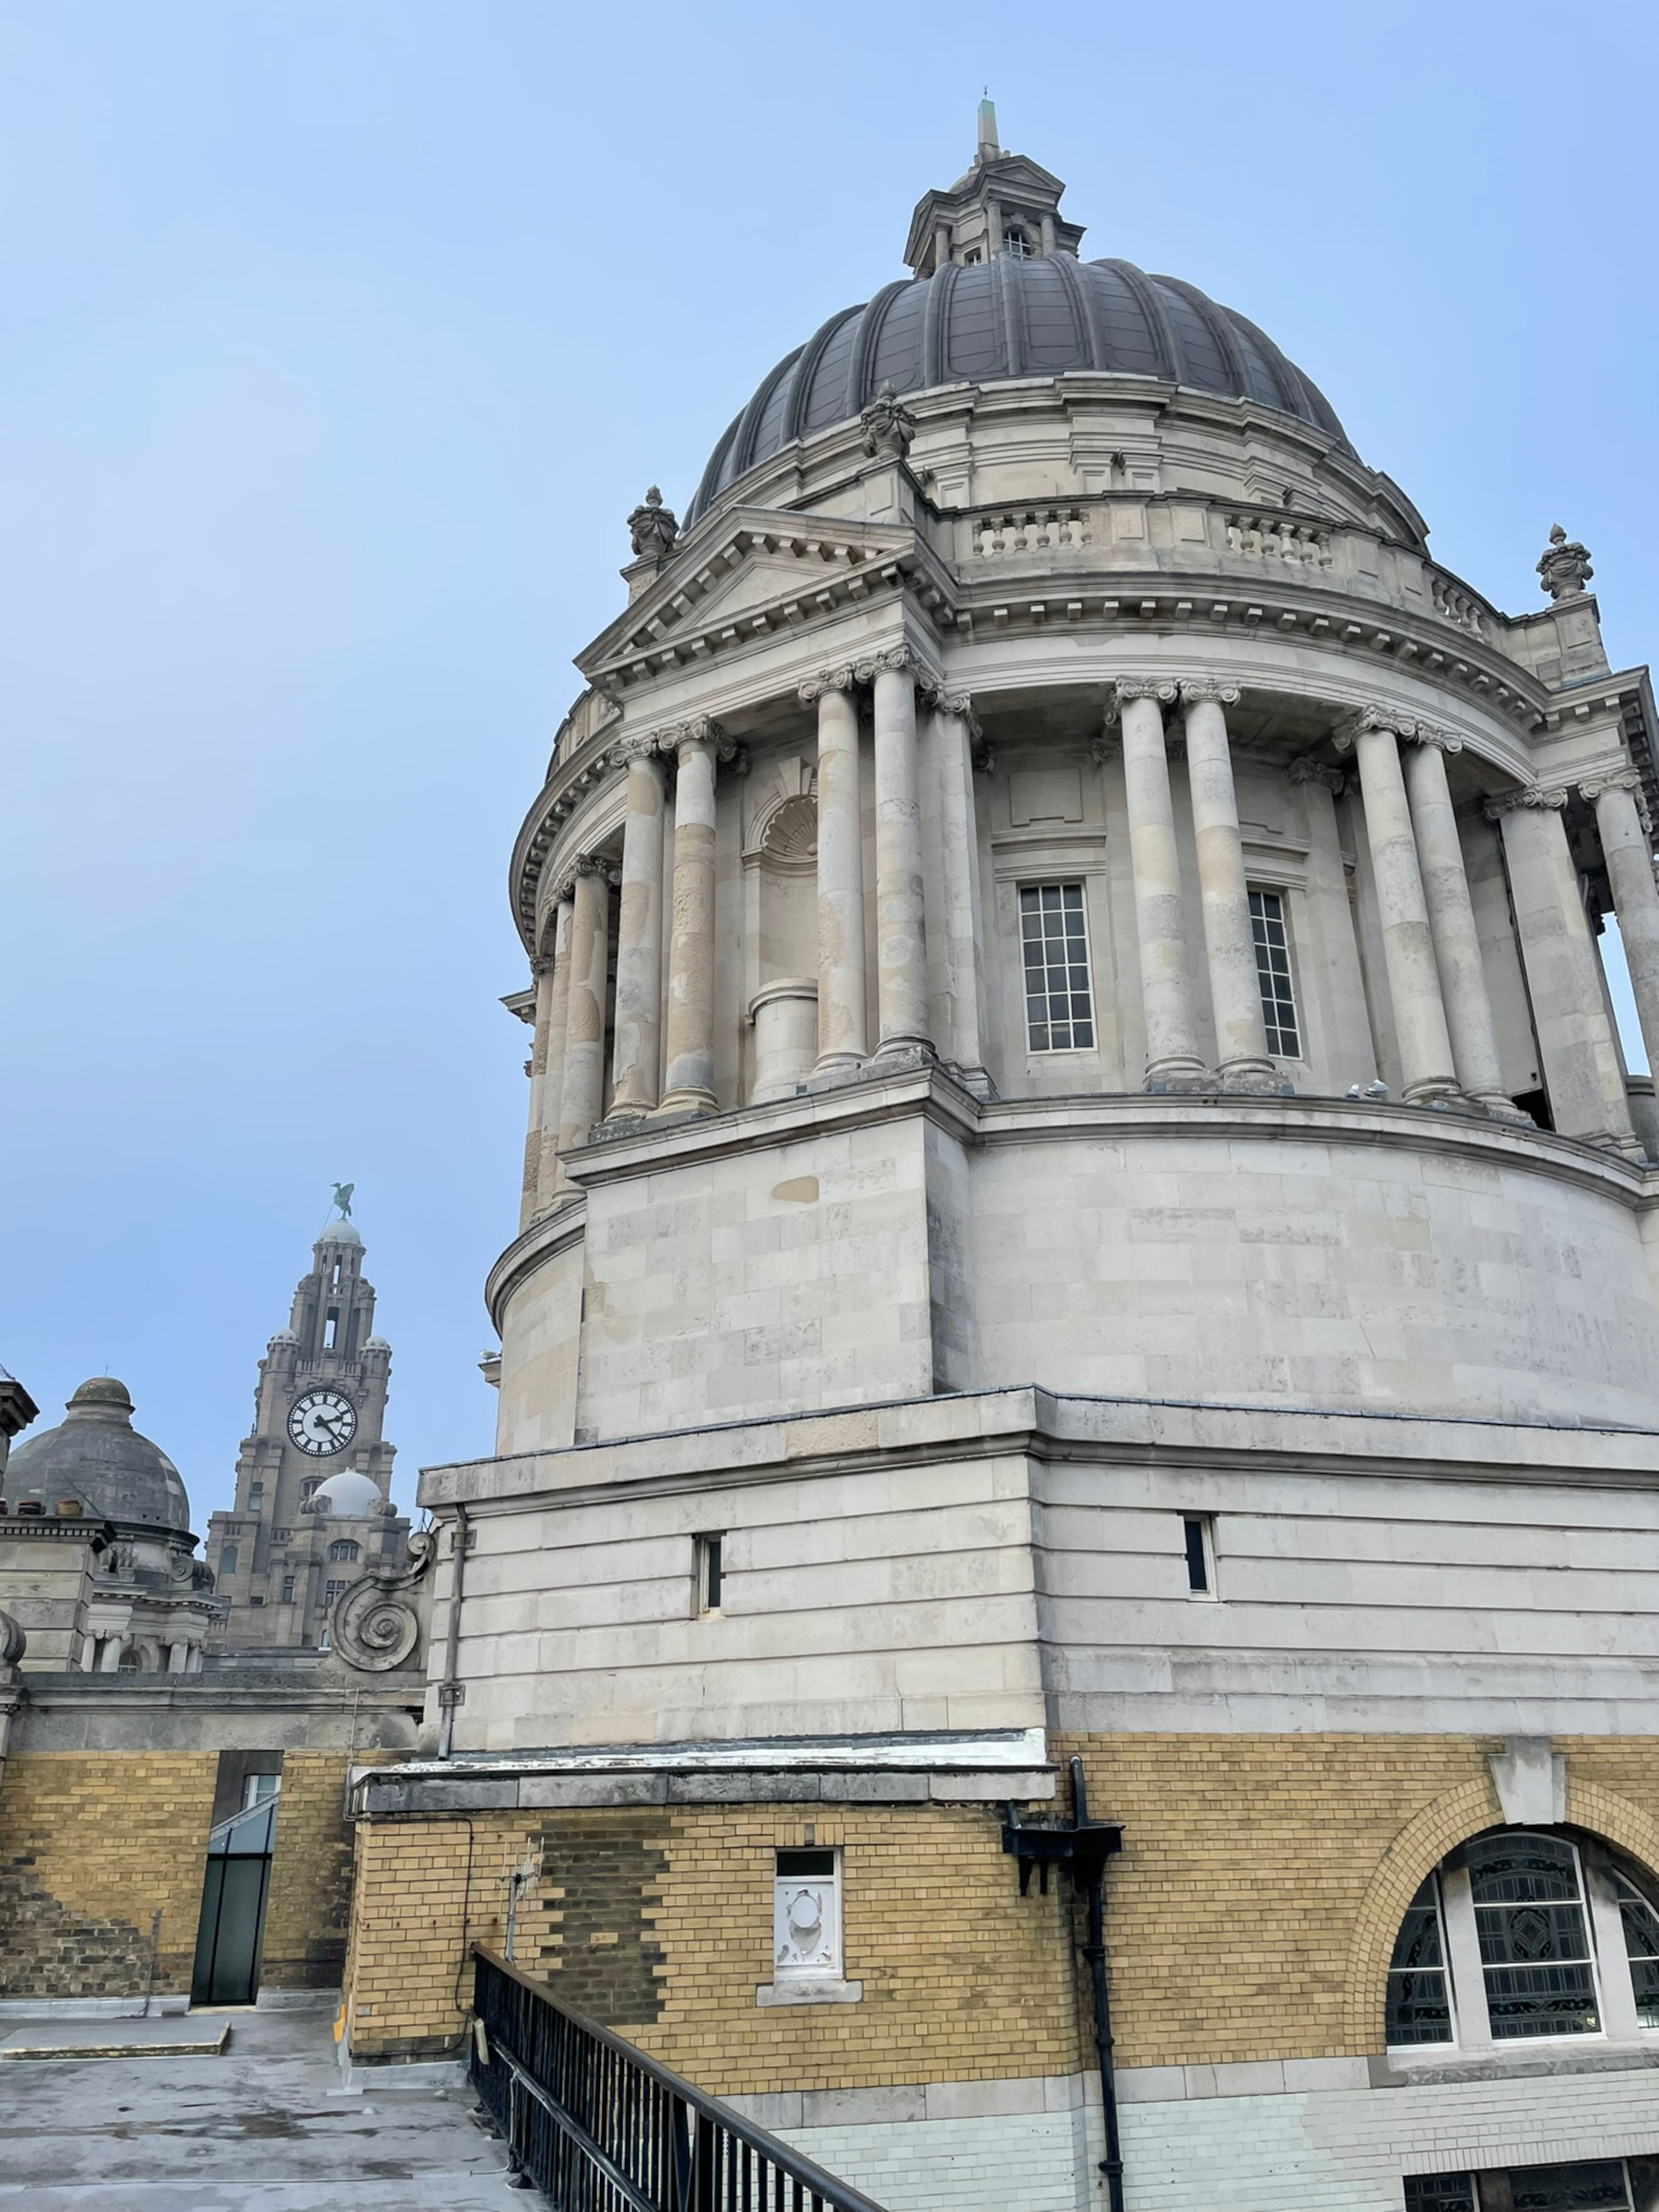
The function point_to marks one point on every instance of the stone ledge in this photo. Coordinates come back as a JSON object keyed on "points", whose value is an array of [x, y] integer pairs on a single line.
{"points": [[809, 1993]]}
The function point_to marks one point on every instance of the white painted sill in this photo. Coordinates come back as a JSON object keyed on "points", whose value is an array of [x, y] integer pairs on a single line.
{"points": [[1538, 2055], [809, 1990]]}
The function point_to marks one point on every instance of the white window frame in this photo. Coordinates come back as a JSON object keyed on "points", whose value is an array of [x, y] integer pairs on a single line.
{"points": [[1280, 892], [1206, 1525], [1611, 1981], [1061, 882]]}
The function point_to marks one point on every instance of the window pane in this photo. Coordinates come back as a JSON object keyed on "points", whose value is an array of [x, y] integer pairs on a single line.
{"points": [[1585, 2188], [1535, 1939], [1419, 2009], [1642, 1948], [1439, 2192], [1273, 973], [1059, 1002]]}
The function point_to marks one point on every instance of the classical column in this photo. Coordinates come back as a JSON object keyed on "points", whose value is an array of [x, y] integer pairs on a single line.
{"points": [[640, 933], [842, 1032], [1421, 1037], [1235, 982], [1621, 818], [550, 1177], [582, 1093], [690, 1054], [541, 969], [1172, 1057], [901, 925], [957, 1023], [1581, 1069], [1452, 923]]}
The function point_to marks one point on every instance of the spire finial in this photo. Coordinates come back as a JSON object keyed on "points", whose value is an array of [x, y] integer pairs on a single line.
{"points": [[987, 148]]}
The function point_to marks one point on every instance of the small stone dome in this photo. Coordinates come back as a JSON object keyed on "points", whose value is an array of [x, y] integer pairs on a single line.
{"points": [[1002, 320], [340, 1232], [284, 1336], [347, 1496], [377, 1344], [98, 1456]]}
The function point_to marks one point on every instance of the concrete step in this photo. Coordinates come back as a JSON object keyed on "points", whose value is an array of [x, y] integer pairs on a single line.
{"points": [[118, 2038]]}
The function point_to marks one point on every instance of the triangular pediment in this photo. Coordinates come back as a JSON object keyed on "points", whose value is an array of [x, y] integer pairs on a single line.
{"points": [[753, 570]]}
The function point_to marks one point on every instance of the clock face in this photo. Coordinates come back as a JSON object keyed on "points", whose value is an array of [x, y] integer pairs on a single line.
{"points": [[321, 1423]]}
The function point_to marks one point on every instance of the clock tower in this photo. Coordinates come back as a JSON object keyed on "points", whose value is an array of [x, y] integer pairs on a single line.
{"points": [[313, 1511]]}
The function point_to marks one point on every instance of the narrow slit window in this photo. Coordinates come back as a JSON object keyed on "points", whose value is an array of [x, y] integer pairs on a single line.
{"points": [[1054, 942], [1200, 1555], [332, 1330], [711, 1572], [1273, 971]]}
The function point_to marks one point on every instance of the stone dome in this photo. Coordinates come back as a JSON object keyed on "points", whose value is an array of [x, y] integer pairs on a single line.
{"points": [[98, 1456], [340, 1232], [1013, 316], [347, 1496]]}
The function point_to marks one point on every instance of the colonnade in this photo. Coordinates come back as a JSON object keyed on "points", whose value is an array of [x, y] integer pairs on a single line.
{"points": [[929, 987]]}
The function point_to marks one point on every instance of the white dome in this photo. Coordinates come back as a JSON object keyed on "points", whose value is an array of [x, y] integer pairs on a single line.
{"points": [[348, 1495]]}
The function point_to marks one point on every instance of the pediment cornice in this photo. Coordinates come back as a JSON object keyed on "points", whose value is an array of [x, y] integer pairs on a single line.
{"points": [[756, 571]]}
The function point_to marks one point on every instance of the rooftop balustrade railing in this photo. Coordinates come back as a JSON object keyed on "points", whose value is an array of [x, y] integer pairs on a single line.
{"points": [[598, 2126]]}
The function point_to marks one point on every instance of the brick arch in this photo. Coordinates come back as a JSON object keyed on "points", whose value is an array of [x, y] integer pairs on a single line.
{"points": [[1614, 1818], [1420, 1846], [1415, 1851]]}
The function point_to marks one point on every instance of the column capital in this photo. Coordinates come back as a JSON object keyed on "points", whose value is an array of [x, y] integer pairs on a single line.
{"points": [[826, 679], [1161, 687], [957, 705], [702, 729], [893, 660], [1195, 688], [1619, 779], [1429, 733], [541, 965], [649, 745], [1304, 771], [598, 864], [1532, 795]]}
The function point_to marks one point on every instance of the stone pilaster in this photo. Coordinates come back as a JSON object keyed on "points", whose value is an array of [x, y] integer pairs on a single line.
{"points": [[1627, 847], [689, 1085], [1452, 921], [901, 921], [1173, 1058], [844, 1035], [1581, 1070], [1241, 1061], [550, 1175], [582, 1091], [956, 974], [541, 969], [1424, 1043], [640, 933]]}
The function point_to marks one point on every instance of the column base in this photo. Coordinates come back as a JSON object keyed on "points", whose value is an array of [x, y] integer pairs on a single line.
{"points": [[1496, 1107], [1432, 1090], [836, 1068], [1177, 1073], [684, 1105], [1253, 1078], [900, 1055]]}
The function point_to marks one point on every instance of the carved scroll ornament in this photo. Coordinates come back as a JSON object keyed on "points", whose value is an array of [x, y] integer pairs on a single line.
{"points": [[377, 1623]]}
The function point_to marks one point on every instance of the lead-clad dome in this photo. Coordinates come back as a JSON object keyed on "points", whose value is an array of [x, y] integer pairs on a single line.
{"points": [[1012, 316], [98, 1456]]}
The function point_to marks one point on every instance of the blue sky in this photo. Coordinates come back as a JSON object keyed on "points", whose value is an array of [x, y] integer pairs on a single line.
{"points": [[341, 334]]}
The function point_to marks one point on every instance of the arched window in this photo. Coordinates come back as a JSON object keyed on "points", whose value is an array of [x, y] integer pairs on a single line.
{"points": [[1526, 1934], [310, 1488], [227, 1559], [342, 1548]]}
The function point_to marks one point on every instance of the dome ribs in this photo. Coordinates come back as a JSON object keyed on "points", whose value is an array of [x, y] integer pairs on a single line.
{"points": [[1008, 303], [1215, 320], [860, 390], [1086, 312], [935, 326], [806, 368], [1160, 329], [749, 422]]}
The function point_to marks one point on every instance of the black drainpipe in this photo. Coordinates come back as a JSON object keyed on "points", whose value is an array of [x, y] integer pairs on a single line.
{"points": [[1083, 1846]]}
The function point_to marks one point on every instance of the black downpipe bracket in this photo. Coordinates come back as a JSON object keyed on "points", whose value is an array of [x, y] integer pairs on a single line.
{"points": [[1083, 1847]]}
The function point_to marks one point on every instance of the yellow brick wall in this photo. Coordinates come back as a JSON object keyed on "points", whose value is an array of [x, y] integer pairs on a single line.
{"points": [[1250, 1915], [309, 1905], [962, 1978], [93, 1847]]}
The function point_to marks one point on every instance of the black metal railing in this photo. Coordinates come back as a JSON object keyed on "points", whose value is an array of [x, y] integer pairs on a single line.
{"points": [[599, 2127]]}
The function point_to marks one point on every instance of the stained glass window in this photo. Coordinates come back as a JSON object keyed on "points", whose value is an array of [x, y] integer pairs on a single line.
{"points": [[1439, 2192], [1642, 1948], [1528, 1893], [1059, 1006], [1419, 2005]]}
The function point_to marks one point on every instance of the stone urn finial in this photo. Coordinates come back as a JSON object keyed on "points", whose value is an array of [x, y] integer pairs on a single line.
{"points": [[1565, 567], [652, 528]]}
